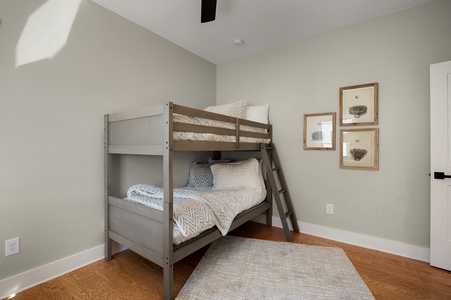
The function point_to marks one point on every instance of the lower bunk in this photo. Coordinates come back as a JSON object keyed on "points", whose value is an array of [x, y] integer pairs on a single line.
{"points": [[139, 229], [200, 214]]}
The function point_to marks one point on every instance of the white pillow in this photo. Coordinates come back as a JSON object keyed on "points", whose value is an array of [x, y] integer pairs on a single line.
{"points": [[236, 175], [258, 113], [234, 109]]}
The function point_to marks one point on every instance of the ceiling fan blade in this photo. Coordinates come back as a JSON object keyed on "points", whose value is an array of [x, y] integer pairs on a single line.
{"points": [[208, 11]]}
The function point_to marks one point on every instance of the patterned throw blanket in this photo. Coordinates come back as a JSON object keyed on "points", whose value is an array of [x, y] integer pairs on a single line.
{"points": [[194, 210]]}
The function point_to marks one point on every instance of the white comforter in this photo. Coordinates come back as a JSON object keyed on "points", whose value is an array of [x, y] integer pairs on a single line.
{"points": [[196, 210]]}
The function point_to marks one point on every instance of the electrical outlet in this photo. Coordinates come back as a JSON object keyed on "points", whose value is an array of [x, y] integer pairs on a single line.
{"points": [[12, 246], [330, 209]]}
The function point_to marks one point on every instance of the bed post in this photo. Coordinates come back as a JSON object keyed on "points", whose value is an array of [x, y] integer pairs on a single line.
{"points": [[168, 269], [217, 155], [106, 164]]}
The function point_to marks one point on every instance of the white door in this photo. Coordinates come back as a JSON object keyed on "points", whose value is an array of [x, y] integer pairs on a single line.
{"points": [[441, 165]]}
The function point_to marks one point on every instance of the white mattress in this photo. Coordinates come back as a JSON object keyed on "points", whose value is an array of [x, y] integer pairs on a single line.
{"points": [[196, 210]]}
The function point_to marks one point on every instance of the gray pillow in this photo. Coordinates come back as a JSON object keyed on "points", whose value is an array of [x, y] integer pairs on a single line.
{"points": [[200, 174]]}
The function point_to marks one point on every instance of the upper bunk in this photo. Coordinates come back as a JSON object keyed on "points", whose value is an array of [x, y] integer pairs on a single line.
{"points": [[154, 130]]}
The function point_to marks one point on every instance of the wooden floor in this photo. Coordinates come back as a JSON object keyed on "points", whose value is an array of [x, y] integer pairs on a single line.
{"points": [[129, 276]]}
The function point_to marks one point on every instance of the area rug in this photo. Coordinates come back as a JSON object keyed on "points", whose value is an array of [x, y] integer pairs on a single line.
{"points": [[243, 268]]}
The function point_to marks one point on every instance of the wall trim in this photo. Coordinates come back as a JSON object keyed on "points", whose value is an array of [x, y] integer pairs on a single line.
{"points": [[358, 239], [33, 277], [28, 279]]}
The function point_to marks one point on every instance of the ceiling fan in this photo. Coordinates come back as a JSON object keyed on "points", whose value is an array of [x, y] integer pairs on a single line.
{"points": [[208, 11]]}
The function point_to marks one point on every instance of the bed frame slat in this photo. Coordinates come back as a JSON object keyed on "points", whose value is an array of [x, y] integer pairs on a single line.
{"points": [[136, 149], [144, 252], [139, 113]]}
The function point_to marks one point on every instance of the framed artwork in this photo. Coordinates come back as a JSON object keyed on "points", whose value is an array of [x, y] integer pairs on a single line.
{"points": [[359, 105], [319, 131], [359, 149]]}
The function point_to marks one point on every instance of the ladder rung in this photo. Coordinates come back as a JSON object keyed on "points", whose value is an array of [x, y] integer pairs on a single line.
{"points": [[288, 213], [282, 191], [276, 169]]}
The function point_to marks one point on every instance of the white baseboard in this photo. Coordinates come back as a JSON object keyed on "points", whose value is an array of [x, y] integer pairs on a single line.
{"points": [[28, 279], [362, 240]]}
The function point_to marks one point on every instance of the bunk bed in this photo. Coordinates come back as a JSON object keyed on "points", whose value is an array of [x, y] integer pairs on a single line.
{"points": [[161, 130]]}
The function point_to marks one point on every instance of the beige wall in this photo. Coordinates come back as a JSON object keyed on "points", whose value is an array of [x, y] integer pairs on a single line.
{"points": [[51, 123], [304, 77]]}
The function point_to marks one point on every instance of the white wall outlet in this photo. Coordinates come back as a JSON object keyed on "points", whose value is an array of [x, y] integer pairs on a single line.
{"points": [[330, 209], [12, 246]]}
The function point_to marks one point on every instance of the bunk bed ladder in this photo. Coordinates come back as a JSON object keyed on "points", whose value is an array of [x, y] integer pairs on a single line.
{"points": [[279, 189]]}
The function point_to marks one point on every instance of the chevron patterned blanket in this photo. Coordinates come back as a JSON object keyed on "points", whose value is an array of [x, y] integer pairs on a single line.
{"points": [[196, 210]]}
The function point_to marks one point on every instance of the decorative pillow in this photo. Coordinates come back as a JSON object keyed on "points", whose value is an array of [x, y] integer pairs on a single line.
{"points": [[236, 175], [258, 113], [234, 109], [200, 175]]}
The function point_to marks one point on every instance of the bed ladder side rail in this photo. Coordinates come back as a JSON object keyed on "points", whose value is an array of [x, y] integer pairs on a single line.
{"points": [[279, 189], [168, 184]]}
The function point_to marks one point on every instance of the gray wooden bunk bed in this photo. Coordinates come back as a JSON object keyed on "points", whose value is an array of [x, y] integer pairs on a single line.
{"points": [[152, 131]]}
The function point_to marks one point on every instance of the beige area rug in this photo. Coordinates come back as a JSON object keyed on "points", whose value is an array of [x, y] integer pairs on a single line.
{"points": [[243, 268]]}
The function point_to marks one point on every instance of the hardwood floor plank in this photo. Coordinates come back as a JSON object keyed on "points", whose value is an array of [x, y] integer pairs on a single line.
{"points": [[130, 276]]}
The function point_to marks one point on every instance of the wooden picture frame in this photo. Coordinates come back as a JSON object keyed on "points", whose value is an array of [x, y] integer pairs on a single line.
{"points": [[319, 131], [359, 149], [359, 105]]}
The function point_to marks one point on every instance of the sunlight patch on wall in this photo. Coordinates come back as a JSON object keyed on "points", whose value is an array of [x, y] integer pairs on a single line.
{"points": [[46, 31]]}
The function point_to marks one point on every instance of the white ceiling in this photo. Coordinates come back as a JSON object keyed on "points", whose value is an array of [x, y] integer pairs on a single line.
{"points": [[261, 24]]}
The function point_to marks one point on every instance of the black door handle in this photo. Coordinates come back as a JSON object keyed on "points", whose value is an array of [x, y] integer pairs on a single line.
{"points": [[441, 175]]}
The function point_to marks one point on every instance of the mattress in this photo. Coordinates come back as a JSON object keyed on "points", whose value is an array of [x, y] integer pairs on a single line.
{"points": [[198, 209]]}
